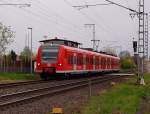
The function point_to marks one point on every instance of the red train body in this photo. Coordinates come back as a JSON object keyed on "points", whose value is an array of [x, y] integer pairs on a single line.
{"points": [[60, 59]]}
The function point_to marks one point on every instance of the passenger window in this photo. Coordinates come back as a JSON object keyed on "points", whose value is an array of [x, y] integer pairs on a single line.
{"points": [[91, 60], [80, 60], [99, 61], [87, 61], [74, 60]]}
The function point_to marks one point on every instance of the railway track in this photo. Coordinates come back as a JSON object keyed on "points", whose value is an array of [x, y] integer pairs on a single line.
{"points": [[10, 85], [29, 95]]}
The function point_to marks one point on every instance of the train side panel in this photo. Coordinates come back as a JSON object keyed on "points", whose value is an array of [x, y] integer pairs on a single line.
{"points": [[73, 60]]}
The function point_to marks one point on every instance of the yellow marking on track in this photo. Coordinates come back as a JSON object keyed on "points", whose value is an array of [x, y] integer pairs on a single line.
{"points": [[57, 111]]}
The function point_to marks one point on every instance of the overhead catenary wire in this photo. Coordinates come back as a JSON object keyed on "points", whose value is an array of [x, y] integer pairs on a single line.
{"points": [[56, 14], [122, 6], [73, 26], [67, 21], [38, 0], [36, 16], [119, 5], [104, 26], [47, 19], [62, 26], [101, 27], [86, 6]]}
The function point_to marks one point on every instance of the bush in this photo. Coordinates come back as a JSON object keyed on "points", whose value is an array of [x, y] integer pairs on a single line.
{"points": [[127, 63]]}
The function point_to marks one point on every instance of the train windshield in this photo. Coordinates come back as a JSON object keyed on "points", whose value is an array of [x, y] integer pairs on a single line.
{"points": [[49, 54]]}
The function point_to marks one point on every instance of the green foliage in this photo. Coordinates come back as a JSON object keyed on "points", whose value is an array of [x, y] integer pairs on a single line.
{"points": [[25, 54], [13, 55], [18, 76], [127, 63], [121, 99]]}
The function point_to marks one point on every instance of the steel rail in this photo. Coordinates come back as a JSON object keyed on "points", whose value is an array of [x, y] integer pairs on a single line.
{"points": [[7, 85], [58, 89]]}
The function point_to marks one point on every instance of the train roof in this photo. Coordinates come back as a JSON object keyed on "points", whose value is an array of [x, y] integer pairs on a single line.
{"points": [[102, 52], [61, 42], [91, 52], [74, 45]]}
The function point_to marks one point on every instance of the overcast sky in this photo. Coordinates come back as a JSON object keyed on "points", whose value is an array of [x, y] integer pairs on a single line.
{"points": [[57, 18]]}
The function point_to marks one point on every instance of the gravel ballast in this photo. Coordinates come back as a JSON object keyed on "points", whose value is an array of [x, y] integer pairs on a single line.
{"points": [[71, 101]]}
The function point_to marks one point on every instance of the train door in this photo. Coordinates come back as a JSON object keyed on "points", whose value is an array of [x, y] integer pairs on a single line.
{"points": [[94, 63], [74, 61], [84, 62], [100, 63], [87, 62], [97, 62], [109, 63], [106, 64], [103, 60], [112, 62]]}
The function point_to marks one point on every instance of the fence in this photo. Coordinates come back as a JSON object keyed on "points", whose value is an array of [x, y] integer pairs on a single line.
{"points": [[14, 66]]}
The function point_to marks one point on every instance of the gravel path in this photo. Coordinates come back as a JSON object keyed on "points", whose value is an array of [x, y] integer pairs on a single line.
{"points": [[71, 101]]}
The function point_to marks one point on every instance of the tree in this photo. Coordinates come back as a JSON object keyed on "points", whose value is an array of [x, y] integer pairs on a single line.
{"points": [[10, 61], [13, 55], [6, 37], [126, 61], [25, 54]]}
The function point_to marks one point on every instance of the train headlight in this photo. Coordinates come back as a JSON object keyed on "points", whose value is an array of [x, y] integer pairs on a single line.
{"points": [[38, 64], [60, 64]]}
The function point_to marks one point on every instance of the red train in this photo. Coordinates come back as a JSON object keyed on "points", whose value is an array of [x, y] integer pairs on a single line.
{"points": [[57, 56]]}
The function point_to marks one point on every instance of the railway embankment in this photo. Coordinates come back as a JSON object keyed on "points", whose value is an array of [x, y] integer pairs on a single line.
{"points": [[123, 98], [71, 101], [15, 77]]}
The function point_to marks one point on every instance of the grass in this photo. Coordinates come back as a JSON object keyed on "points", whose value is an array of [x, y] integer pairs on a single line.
{"points": [[17, 76], [121, 99]]}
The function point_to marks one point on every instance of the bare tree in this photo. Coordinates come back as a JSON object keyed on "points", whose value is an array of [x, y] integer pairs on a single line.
{"points": [[6, 37]]}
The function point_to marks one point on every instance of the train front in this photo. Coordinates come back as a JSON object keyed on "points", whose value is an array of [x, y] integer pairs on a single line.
{"points": [[47, 60]]}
